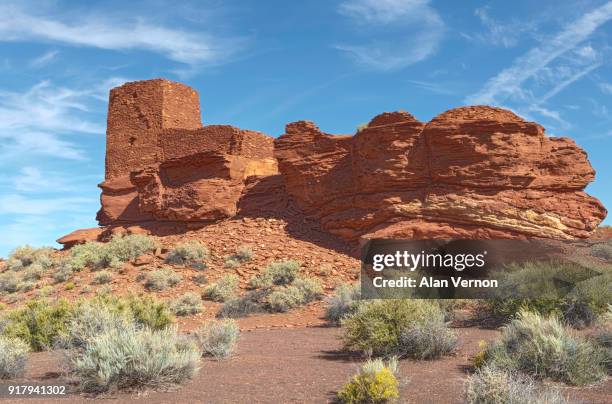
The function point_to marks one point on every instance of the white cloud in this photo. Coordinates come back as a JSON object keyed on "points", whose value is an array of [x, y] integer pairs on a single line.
{"points": [[508, 82], [606, 87], [44, 59], [19, 24], [403, 32], [497, 33], [33, 122], [16, 204]]}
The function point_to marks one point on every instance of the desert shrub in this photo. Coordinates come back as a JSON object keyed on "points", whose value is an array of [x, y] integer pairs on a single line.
{"points": [[344, 302], [189, 303], [90, 320], [9, 282], [243, 306], [102, 277], [33, 272], [13, 357], [112, 254], [490, 385], [285, 299], [277, 273], [539, 283], [310, 287], [231, 262], [40, 323], [190, 252], [602, 250], [222, 290], [427, 339], [69, 286], [26, 286], [133, 358], [217, 338], [83, 255], [146, 311], [544, 347], [200, 279], [302, 291], [63, 272], [404, 327], [125, 248], [161, 279], [375, 383], [23, 257], [603, 336], [46, 290], [244, 253]]}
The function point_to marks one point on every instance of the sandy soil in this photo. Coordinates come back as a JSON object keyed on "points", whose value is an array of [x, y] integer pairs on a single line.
{"points": [[303, 365]]}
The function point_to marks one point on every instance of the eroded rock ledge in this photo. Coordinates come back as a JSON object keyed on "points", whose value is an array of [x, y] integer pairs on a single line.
{"points": [[471, 172]]}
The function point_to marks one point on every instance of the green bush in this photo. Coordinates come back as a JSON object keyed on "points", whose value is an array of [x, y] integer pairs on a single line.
{"points": [[404, 327], [33, 272], [285, 299], [85, 255], [243, 306], [310, 287], [277, 273], [23, 257], [539, 283], [427, 339], [544, 347], [146, 311], [603, 251], [189, 303], [375, 383], [102, 277], [343, 303], [302, 291], [217, 338], [133, 358], [191, 252], [161, 279], [9, 282], [490, 385], [13, 357], [63, 271], [40, 323], [90, 320], [231, 262], [222, 290], [112, 254], [603, 336]]}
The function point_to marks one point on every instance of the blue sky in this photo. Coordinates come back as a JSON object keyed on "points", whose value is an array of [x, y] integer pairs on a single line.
{"points": [[262, 64]]}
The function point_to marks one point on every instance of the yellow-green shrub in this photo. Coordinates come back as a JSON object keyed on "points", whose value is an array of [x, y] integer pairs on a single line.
{"points": [[375, 383]]}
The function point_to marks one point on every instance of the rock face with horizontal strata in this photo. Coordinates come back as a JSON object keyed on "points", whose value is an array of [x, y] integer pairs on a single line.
{"points": [[472, 172]]}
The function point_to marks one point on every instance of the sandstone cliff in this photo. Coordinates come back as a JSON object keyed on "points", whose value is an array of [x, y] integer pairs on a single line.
{"points": [[470, 172]]}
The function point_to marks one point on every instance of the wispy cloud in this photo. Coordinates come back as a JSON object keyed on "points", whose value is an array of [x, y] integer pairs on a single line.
{"points": [[33, 121], [508, 82], [400, 32], [98, 31], [44, 59], [606, 87], [16, 204], [498, 33]]}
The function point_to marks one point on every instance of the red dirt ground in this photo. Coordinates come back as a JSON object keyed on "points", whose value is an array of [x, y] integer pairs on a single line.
{"points": [[304, 365]]}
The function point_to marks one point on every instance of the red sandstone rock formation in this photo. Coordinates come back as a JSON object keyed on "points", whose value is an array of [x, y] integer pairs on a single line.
{"points": [[163, 165], [472, 172]]}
